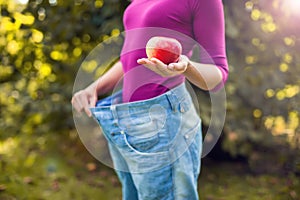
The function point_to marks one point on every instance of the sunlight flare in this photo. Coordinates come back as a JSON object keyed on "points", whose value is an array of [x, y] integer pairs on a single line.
{"points": [[22, 1], [292, 6]]}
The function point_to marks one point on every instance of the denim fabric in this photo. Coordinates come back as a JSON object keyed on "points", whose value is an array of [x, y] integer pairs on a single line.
{"points": [[155, 144]]}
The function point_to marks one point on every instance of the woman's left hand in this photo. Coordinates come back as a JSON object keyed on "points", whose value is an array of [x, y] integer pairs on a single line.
{"points": [[163, 69]]}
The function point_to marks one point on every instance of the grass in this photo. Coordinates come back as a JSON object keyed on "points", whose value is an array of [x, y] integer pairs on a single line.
{"points": [[233, 181], [45, 171]]}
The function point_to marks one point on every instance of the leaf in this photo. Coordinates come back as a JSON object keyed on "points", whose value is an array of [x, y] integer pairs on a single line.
{"points": [[2, 187]]}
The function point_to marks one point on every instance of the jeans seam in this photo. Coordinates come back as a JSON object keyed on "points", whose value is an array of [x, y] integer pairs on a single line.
{"points": [[142, 153], [173, 182]]}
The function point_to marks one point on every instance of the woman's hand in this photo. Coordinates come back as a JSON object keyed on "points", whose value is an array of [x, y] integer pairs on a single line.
{"points": [[85, 99], [204, 76], [164, 70]]}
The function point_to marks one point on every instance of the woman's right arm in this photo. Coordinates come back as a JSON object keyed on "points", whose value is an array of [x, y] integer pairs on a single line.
{"points": [[87, 98]]}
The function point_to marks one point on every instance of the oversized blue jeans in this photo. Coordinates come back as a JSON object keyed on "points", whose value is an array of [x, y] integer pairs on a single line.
{"points": [[155, 144]]}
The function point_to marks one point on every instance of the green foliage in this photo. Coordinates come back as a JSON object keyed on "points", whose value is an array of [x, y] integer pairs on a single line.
{"points": [[42, 46], [263, 89]]}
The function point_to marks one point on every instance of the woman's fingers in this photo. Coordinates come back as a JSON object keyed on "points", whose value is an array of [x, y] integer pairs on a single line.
{"points": [[164, 70], [76, 102], [93, 100], [142, 61], [161, 67], [155, 65], [181, 65], [149, 64], [82, 102], [85, 101], [177, 67]]}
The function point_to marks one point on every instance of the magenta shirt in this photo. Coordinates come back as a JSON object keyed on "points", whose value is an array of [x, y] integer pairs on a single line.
{"points": [[194, 23]]}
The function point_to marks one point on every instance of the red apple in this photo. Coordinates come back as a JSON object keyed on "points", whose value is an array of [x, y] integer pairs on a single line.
{"points": [[165, 49]]}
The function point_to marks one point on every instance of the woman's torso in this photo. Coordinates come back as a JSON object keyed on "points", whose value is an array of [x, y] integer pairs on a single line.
{"points": [[143, 19]]}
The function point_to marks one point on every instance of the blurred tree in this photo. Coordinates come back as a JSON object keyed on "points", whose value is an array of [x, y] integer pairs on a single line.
{"points": [[42, 45], [263, 89]]}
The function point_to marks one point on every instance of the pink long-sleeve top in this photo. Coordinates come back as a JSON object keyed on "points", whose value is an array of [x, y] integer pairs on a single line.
{"points": [[196, 24]]}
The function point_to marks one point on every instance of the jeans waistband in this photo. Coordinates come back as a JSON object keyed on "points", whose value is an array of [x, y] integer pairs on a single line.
{"points": [[111, 108]]}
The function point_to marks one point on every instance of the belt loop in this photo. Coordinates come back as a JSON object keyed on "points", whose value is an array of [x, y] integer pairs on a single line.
{"points": [[172, 100], [114, 113]]}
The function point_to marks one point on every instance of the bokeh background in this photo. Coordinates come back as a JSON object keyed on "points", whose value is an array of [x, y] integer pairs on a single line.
{"points": [[44, 42]]}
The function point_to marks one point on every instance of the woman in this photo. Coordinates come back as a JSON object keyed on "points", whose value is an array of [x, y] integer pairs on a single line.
{"points": [[153, 130]]}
